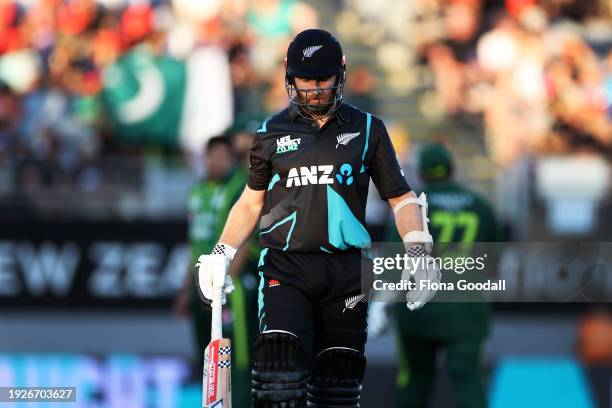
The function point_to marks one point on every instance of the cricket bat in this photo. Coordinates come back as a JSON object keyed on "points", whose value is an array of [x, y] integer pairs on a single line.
{"points": [[216, 382]]}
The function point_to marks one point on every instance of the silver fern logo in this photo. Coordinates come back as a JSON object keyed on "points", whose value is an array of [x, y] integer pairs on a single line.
{"points": [[344, 138], [351, 302], [308, 52]]}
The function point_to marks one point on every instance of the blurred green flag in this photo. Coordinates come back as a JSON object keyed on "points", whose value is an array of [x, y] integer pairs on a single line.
{"points": [[144, 96], [158, 99]]}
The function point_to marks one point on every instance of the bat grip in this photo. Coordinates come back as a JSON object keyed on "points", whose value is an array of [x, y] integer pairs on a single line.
{"points": [[216, 328]]}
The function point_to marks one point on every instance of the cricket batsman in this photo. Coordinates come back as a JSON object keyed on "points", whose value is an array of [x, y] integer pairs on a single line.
{"points": [[310, 167]]}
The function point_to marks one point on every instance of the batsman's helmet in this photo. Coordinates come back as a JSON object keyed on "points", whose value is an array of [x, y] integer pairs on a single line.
{"points": [[314, 54]]}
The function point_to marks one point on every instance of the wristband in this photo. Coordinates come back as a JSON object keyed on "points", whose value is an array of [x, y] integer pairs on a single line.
{"points": [[225, 250], [416, 250]]}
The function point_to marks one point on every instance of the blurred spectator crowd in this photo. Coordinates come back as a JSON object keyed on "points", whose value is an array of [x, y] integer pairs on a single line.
{"points": [[538, 73], [61, 136], [96, 96]]}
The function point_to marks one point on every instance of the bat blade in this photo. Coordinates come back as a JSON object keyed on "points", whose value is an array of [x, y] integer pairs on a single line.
{"points": [[217, 392]]}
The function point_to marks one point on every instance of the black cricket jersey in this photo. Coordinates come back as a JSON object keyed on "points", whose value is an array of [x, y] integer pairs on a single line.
{"points": [[317, 179]]}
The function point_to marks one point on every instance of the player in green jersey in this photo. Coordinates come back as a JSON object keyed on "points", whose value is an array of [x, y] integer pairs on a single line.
{"points": [[456, 215], [209, 203]]}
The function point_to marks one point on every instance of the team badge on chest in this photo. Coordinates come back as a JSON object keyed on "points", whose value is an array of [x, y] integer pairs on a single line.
{"points": [[286, 144]]}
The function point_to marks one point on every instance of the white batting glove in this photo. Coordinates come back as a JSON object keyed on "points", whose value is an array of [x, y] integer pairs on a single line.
{"points": [[424, 269], [213, 272]]}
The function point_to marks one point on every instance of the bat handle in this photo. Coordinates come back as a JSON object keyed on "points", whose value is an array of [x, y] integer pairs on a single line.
{"points": [[216, 328]]}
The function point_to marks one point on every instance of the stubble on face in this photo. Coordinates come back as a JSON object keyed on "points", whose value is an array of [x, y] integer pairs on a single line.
{"points": [[314, 96]]}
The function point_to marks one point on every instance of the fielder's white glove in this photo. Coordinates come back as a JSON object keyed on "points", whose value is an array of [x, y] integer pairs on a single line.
{"points": [[423, 269], [212, 271], [378, 320]]}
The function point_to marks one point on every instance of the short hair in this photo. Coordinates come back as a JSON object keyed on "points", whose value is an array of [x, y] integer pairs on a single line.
{"points": [[218, 140]]}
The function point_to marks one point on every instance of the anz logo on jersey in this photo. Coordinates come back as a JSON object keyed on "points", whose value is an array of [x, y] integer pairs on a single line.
{"points": [[321, 174]]}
